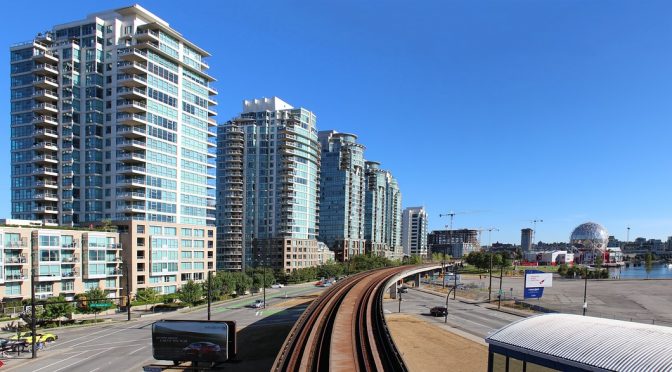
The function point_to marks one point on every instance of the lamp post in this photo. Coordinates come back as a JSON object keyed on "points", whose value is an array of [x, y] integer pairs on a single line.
{"points": [[585, 293], [490, 274], [33, 270], [445, 318], [501, 275], [209, 292], [455, 280], [128, 290], [399, 293]]}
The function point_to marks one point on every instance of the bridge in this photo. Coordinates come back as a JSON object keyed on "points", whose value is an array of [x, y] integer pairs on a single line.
{"points": [[345, 330]]}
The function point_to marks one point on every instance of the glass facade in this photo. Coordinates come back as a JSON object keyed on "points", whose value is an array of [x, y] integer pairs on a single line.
{"points": [[382, 211], [342, 194], [280, 174], [112, 119]]}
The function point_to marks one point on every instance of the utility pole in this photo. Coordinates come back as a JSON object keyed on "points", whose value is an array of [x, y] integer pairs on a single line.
{"points": [[263, 267], [489, 249], [33, 270], [490, 285], [128, 290], [455, 277], [450, 241], [585, 293], [399, 292], [209, 292], [501, 275]]}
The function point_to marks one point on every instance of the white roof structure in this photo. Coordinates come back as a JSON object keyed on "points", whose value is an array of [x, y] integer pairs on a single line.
{"points": [[589, 343]]}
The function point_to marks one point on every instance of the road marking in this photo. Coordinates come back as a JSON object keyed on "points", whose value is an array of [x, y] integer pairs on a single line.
{"points": [[113, 347], [94, 370], [137, 350], [95, 338], [59, 361], [79, 361]]}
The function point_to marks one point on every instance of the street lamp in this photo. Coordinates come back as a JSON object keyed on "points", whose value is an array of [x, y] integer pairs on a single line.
{"points": [[209, 292], [127, 265], [399, 293], [445, 319], [585, 291]]}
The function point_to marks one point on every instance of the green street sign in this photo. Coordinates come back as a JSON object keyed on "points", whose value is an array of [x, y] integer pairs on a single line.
{"points": [[102, 305]]}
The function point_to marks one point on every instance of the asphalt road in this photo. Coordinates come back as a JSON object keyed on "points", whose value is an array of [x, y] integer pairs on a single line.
{"points": [[126, 346], [477, 319]]}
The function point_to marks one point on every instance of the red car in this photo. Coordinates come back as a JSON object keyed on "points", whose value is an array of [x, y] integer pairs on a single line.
{"points": [[206, 350]]}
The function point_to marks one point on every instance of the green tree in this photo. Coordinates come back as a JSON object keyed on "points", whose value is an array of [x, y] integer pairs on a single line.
{"points": [[96, 301], [147, 296], [243, 283], [191, 293], [599, 260], [648, 263], [330, 270], [57, 308]]}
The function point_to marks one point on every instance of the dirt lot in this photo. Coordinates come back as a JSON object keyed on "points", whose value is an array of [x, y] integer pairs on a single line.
{"points": [[300, 300], [426, 347]]}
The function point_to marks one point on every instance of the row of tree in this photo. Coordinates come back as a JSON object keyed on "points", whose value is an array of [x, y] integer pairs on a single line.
{"points": [[222, 285], [482, 260], [226, 284]]}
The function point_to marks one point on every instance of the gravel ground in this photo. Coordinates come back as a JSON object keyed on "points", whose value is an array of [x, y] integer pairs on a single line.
{"points": [[426, 347]]}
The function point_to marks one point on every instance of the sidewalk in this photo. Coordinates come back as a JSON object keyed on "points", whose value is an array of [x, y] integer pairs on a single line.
{"points": [[138, 314]]}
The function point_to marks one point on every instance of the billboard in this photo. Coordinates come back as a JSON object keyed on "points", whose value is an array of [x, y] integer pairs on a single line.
{"points": [[535, 282], [193, 340], [538, 280]]}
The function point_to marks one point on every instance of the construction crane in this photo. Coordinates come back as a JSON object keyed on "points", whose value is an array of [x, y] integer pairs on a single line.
{"points": [[452, 215], [534, 229]]}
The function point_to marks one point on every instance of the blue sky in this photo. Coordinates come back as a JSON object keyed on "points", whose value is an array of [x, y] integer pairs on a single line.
{"points": [[510, 110]]}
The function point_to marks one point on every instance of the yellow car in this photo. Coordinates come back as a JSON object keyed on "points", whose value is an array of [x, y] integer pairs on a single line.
{"points": [[27, 337]]}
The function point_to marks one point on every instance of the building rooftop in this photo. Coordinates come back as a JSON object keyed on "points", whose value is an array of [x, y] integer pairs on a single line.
{"points": [[265, 104], [581, 341]]}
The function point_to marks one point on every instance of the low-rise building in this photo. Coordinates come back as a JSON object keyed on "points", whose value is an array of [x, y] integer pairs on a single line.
{"points": [[64, 261], [324, 254]]}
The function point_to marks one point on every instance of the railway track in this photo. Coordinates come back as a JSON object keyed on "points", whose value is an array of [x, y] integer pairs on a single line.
{"points": [[344, 329]]}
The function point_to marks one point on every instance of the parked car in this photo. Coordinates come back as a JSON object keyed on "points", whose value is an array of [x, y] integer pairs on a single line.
{"points": [[206, 350], [438, 311], [403, 289], [277, 285], [28, 337], [258, 304]]}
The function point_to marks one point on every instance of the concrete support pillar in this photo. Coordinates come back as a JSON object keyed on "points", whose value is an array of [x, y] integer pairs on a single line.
{"points": [[417, 279], [393, 291]]}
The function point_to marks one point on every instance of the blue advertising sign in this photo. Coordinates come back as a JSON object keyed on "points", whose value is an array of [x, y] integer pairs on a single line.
{"points": [[533, 292]]}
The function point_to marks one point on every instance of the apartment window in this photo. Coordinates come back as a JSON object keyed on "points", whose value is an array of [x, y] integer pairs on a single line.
{"points": [[110, 283], [90, 284], [44, 287], [140, 279], [12, 289], [140, 242], [140, 229], [140, 255]]}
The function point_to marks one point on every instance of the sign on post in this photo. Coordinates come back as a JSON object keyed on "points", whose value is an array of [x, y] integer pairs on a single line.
{"points": [[535, 282], [538, 280]]}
